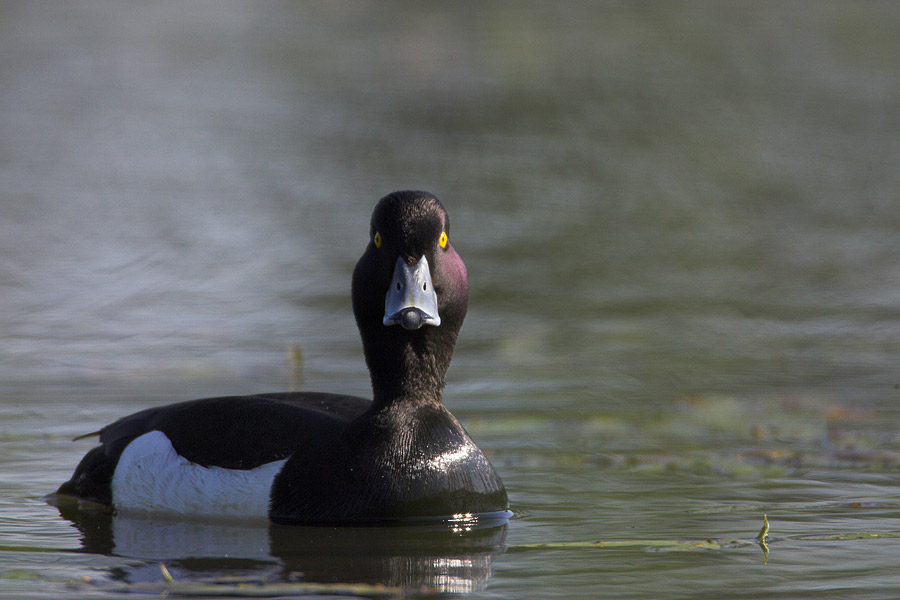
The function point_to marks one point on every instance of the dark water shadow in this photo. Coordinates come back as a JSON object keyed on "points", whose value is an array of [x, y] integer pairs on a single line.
{"points": [[441, 556]]}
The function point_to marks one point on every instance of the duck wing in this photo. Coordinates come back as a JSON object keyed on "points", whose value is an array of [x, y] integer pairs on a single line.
{"points": [[238, 432], [235, 432]]}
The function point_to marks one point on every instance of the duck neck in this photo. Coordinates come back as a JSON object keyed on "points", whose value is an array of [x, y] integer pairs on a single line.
{"points": [[409, 368]]}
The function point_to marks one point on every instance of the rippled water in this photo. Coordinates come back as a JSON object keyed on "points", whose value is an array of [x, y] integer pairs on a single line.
{"points": [[681, 229]]}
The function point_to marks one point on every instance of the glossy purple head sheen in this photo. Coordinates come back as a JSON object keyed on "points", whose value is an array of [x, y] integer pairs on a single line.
{"points": [[408, 358]]}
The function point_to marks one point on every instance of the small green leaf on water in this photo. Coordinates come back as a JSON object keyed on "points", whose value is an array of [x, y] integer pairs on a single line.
{"points": [[764, 531], [165, 573], [763, 537]]}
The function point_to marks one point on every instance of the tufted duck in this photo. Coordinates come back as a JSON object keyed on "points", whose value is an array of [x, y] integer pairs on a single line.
{"points": [[316, 458]]}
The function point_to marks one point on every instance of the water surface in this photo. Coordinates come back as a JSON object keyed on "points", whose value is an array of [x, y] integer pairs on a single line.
{"points": [[681, 229]]}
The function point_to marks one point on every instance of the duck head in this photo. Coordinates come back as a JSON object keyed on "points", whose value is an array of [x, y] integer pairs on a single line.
{"points": [[410, 296]]}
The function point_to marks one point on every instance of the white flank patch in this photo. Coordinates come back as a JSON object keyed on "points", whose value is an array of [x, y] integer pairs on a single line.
{"points": [[152, 477]]}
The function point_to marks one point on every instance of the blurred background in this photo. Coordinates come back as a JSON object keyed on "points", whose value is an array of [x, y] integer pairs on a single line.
{"points": [[651, 199], [666, 209]]}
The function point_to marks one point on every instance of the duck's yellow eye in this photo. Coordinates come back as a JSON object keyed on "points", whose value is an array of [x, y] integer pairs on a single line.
{"points": [[377, 240], [443, 240]]}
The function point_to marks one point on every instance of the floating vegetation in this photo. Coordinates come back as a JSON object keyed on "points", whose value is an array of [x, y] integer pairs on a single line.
{"points": [[226, 587], [760, 540], [716, 435], [860, 535]]}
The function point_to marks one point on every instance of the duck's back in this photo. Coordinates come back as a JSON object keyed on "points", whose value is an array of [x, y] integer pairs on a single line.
{"points": [[237, 433]]}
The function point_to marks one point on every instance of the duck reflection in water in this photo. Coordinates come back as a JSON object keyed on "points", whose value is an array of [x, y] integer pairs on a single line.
{"points": [[452, 555]]}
